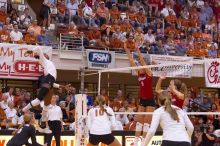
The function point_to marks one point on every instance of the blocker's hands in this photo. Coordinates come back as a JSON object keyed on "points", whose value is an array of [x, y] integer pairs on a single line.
{"points": [[163, 76]]}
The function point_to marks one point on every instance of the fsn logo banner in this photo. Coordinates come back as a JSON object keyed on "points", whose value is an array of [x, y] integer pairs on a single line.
{"points": [[100, 59]]}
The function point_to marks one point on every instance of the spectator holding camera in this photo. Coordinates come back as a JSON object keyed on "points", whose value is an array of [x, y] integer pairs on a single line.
{"points": [[208, 138]]}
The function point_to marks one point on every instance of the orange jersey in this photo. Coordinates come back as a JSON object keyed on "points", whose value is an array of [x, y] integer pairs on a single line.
{"points": [[30, 39], [61, 8], [130, 126], [141, 18], [4, 36], [114, 14], [116, 43], [125, 27], [197, 35], [130, 45], [183, 22], [94, 34], [171, 19], [132, 16], [3, 17]]}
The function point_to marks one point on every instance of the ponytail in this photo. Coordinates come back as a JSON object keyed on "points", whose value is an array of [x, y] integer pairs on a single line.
{"points": [[165, 99], [102, 108], [100, 101], [184, 90], [171, 110]]}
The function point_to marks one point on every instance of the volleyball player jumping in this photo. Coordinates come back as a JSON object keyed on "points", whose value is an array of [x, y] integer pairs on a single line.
{"points": [[177, 89], [101, 121], [176, 125], [47, 81], [147, 101]]}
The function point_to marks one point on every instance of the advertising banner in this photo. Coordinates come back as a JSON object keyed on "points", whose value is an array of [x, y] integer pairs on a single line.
{"points": [[16, 63], [155, 141], [212, 73], [175, 70], [100, 59], [69, 141], [5, 138]]}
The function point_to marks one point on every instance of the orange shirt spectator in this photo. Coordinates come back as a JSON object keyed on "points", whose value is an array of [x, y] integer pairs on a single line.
{"points": [[126, 26], [194, 21], [130, 126], [30, 39], [61, 7], [171, 18], [130, 43], [72, 29], [141, 18], [183, 22], [94, 34], [103, 11], [103, 42], [132, 14], [114, 12], [206, 35], [139, 37], [171, 30], [4, 35], [114, 27], [116, 105], [3, 14], [197, 34], [2, 115], [35, 28]]}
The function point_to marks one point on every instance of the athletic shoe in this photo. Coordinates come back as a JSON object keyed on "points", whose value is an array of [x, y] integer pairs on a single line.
{"points": [[45, 130]]}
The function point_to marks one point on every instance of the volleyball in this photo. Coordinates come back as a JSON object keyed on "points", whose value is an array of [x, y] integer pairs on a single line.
{"points": [[87, 12]]}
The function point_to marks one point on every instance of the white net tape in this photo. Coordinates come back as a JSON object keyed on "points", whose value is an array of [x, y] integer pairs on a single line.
{"points": [[150, 113]]}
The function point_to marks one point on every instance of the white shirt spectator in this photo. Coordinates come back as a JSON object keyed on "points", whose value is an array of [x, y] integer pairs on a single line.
{"points": [[16, 36], [123, 119], [165, 11], [4, 105], [119, 126], [172, 130], [149, 38], [9, 97], [10, 113], [73, 8], [72, 126], [100, 123], [200, 3], [25, 19], [54, 113], [21, 120]]}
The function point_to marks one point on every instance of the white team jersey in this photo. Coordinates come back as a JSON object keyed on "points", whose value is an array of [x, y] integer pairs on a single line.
{"points": [[100, 123], [49, 67], [172, 130]]}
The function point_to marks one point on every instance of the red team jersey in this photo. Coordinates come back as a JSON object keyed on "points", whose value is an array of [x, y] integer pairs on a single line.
{"points": [[145, 84], [176, 101]]}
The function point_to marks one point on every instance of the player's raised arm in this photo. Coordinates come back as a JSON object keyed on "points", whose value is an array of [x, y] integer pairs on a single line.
{"points": [[143, 63]]}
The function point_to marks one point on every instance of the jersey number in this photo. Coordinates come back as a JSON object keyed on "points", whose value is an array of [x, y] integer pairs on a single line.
{"points": [[142, 83], [99, 112]]}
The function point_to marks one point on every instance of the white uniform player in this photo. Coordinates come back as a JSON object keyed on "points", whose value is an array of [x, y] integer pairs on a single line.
{"points": [[101, 121]]}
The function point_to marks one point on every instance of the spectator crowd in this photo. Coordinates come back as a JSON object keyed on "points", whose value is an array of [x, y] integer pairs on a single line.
{"points": [[166, 27]]}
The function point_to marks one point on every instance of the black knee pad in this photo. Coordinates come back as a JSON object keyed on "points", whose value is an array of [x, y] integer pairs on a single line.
{"points": [[42, 93]]}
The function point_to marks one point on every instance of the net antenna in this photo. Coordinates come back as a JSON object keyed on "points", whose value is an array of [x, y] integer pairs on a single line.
{"points": [[81, 124]]}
